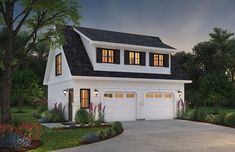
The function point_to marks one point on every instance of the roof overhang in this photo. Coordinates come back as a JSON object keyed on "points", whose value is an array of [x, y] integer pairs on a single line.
{"points": [[129, 79], [127, 46]]}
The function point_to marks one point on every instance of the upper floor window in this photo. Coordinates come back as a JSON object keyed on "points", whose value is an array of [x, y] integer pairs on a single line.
{"points": [[58, 64], [134, 57], [159, 60], [107, 56]]}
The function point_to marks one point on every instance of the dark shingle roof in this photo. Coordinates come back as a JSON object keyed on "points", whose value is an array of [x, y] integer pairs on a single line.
{"points": [[124, 38], [80, 64]]}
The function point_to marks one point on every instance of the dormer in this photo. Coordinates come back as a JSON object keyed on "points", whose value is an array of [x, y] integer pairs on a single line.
{"points": [[125, 52]]}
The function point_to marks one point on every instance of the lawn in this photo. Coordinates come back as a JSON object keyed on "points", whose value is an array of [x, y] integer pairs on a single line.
{"points": [[53, 139]]}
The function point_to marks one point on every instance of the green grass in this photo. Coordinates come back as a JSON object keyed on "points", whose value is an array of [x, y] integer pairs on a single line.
{"points": [[53, 139]]}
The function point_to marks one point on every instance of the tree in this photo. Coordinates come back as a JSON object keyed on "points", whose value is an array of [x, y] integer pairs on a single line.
{"points": [[25, 87], [36, 18]]}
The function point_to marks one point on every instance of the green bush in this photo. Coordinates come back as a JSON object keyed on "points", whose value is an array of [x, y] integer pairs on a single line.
{"points": [[117, 127], [229, 119], [220, 118], [55, 116], [201, 116], [42, 108], [106, 133], [82, 117], [211, 118]]}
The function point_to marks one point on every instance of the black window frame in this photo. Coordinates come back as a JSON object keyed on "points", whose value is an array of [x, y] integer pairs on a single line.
{"points": [[141, 57], [89, 98], [56, 64], [165, 59], [115, 57]]}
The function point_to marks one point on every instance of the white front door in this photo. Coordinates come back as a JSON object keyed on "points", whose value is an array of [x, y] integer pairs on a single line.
{"points": [[158, 105], [120, 106]]}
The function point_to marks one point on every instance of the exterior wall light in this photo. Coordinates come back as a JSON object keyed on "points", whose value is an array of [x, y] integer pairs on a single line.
{"points": [[65, 92], [96, 92], [180, 93]]}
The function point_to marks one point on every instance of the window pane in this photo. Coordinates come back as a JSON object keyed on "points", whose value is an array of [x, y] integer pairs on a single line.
{"points": [[130, 95], [131, 58], [161, 60], [104, 56], [155, 60], [149, 95], [167, 95], [119, 95], [137, 58], [110, 56], [158, 95], [58, 62], [84, 98]]}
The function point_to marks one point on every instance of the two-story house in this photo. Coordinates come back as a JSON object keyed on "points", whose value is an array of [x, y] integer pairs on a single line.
{"points": [[134, 76]]}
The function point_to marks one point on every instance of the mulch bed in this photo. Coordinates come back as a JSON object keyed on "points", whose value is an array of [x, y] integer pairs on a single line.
{"points": [[34, 144]]}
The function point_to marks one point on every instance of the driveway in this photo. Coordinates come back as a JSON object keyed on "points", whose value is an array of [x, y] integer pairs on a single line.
{"points": [[166, 136]]}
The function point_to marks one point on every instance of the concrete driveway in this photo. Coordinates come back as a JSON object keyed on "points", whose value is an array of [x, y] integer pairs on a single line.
{"points": [[166, 136]]}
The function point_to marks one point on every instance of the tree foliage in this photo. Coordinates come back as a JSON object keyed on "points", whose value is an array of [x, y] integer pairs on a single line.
{"points": [[211, 66], [35, 21]]}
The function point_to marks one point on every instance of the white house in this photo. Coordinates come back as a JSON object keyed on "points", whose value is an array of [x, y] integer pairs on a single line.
{"points": [[134, 76]]}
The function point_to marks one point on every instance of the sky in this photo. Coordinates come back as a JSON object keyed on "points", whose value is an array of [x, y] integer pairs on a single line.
{"points": [[179, 23]]}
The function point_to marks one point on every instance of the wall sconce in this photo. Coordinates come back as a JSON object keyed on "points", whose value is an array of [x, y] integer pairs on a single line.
{"points": [[65, 92], [96, 92], [180, 93]]}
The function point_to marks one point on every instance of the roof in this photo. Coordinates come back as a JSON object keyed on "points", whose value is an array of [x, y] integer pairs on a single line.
{"points": [[80, 64], [123, 38]]}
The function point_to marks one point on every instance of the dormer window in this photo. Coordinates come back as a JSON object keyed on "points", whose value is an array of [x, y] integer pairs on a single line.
{"points": [[58, 64], [134, 57], [159, 60], [108, 56]]}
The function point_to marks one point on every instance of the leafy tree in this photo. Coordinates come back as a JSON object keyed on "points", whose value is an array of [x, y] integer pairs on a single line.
{"points": [[214, 88], [36, 18], [25, 87]]}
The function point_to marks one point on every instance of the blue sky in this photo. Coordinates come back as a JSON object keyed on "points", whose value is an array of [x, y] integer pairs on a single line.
{"points": [[180, 23]]}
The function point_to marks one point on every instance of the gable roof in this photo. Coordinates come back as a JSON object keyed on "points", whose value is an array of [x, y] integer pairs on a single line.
{"points": [[123, 38], [80, 64]]}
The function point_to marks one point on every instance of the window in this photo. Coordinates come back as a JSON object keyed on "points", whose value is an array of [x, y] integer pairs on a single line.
{"points": [[84, 98], [149, 95], [119, 95], [134, 58], [158, 95], [167, 95], [130, 95], [58, 64], [108, 95], [107, 56], [159, 60]]}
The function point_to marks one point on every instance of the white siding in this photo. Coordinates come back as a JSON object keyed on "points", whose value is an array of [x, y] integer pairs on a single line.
{"points": [[66, 75]]}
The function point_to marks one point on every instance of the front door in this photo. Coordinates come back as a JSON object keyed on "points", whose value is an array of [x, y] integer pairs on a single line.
{"points": [[70, 105]]}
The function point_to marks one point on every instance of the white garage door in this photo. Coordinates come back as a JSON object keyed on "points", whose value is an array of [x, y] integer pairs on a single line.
{"points": [[158, 106], [120, 106]]}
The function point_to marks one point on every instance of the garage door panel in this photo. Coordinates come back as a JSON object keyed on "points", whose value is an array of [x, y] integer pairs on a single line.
{"points": [[121, 109], [158, 106]]}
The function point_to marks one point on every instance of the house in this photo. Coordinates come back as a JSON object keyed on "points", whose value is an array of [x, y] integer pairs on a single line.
{"points": [[133, 76]]}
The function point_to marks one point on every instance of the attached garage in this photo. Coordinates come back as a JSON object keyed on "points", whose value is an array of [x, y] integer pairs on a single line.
{"points": [[158, 105], [120, 106]]}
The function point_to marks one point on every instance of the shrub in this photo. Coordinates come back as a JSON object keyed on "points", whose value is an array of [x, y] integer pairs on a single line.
{"points": [[201, 116], [16, 121], [220, 118], [91, 119], [13, 140], [89, 138], [82, 117], [97, 123], [55, 116], [211, 118], [41, 109], [117, 127], [230, 119], [101, 117]]}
